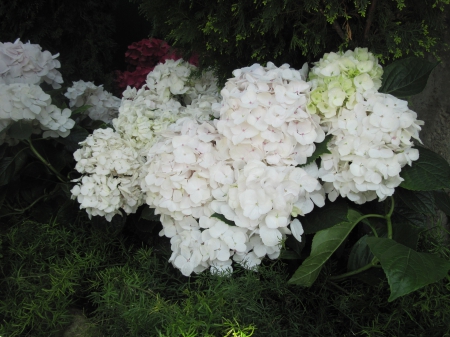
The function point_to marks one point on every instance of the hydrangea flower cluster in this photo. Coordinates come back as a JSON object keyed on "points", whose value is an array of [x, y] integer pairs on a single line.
{"points": [[142, 57], [111, 167], [263, 115], [371, 131], [27, 63], [143, 114], [28, 102], [189, 176], [169, 94], [104, 106], [227, 189], [371, 143], [338, 77]]}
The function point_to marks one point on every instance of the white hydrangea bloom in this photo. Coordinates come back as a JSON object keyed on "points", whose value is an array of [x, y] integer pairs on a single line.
{"points": [[28, 102], [263, 111], [338, 77], [104, 106], [168, 95], [371, 144], [111, 175], [27, 63]]}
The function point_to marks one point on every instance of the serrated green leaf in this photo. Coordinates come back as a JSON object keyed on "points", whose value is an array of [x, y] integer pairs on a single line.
{"points": [[407, 215], [289, 255], [76, 135], [406, 269], [321, 148], [430, 172], [324, 244], [149, 214], [422, 202], [3, 191], [20, 130], [360, 255], [321, 218], [81, 109], [295, 245], [405, 234], [222, 218], [6, 170], [442, 200], [406, 77]]}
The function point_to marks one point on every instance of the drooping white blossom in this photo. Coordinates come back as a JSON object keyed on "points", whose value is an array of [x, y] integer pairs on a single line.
{"points": [[27, 63], [103, 105], [370, 145], [30, 104], [337, 77], [111, 182]]}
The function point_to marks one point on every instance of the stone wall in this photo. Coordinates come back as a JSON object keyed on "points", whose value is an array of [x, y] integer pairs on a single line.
{"points": [[433, 105]]}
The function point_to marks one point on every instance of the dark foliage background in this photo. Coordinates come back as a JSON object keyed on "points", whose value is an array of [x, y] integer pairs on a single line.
{"points": [[91, 36], [229, 35]]}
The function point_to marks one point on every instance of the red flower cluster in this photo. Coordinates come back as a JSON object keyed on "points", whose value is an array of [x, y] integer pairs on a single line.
{"points": [[142, 57]]}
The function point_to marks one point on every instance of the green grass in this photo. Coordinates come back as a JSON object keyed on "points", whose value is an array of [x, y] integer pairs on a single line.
{"points": [[126, 288]]}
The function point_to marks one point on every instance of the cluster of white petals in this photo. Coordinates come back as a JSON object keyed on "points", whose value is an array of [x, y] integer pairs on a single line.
{"points": [[168, 95], [111, 175], [232, 188], [29, 103], [371, 144], [104, 106], [190, 175], [263, 115], [110, 157], [27, 63], [338, 77]]}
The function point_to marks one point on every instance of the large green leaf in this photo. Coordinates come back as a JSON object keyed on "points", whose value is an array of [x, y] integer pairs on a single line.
{"points": [[422, 202], [222, 218], [360, 255], [407, 215], [6, 170], [20, 130], [321, 149], [324, 244], [430, 172], [406, 77], [328, 216], [149, 214], [406, 234], [442, 201], [406, 269], [76, 135]]}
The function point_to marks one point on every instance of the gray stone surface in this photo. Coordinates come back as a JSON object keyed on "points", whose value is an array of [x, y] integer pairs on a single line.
{"points": [[433, 105]]}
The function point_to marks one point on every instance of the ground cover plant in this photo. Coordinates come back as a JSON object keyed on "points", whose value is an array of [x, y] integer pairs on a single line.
{"points": [[276, 199]]}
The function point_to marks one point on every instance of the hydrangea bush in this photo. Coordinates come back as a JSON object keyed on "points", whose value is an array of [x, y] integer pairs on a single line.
{"points": [[23, 68], [233, 175], [240, 174], [142, 57]]}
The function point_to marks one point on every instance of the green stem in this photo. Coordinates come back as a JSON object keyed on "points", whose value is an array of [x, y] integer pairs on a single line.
{"points": [[29, 206], [46, 163], [388, 218], [373, 263]]}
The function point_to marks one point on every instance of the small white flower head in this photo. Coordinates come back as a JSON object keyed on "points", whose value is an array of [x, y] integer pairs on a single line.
{"points": [[27, 63], [29, 103], [111, 175], [104, 106], [338, 77], [369, 148], [263, 111]]}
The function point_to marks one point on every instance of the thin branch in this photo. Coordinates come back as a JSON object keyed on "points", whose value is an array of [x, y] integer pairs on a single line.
{"points": [[369, 19], [339, 30]]}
